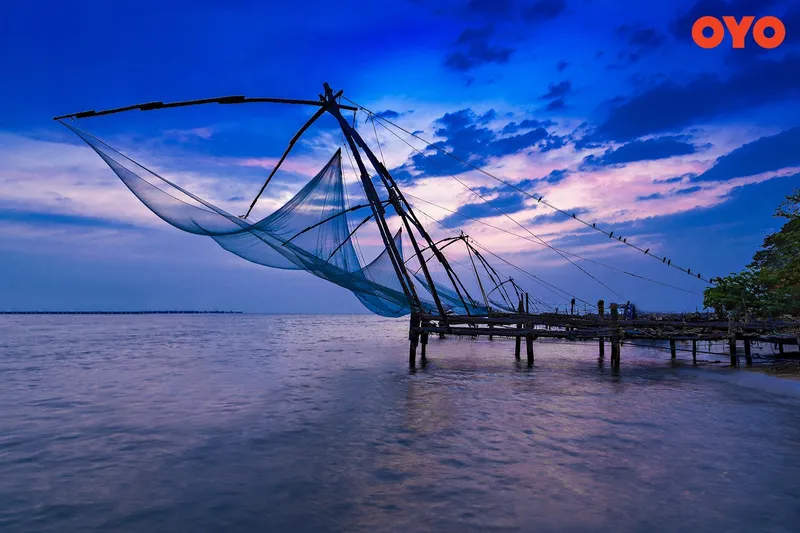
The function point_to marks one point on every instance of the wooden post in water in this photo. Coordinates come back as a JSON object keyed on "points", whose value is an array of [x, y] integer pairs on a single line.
{"points": [[732, 343], [747, 357], [601, 312], [614, 335], [529, 346], [518, 338], [413, 337], [672, 348], [780, 349], [694, 352], [491, 327]]}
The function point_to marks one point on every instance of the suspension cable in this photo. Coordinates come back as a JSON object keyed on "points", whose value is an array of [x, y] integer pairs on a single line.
{"points": [[479, 221], [549, 286], [539, 199], [479, 195]]}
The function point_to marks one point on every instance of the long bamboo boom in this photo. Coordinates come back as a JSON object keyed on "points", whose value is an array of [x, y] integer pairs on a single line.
{"points": [[150, 106]]}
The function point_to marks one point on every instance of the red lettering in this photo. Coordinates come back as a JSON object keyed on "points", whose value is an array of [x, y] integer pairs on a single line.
{"points": [[716, 37], [738, 31], [776, 25]]}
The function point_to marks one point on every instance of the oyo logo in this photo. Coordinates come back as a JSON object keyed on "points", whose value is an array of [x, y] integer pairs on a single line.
{"points": [[768, 32]]}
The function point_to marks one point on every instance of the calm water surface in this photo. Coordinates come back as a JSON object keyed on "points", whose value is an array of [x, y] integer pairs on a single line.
{"points": [[314, 423]]}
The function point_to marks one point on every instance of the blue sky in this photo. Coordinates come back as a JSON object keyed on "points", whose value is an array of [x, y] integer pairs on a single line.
{"points": [[607, 109]]}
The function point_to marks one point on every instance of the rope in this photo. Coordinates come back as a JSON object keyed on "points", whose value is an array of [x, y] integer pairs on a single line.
{"points": [[547, 285], [479, 221], [372, 119], [479, 195], [357, 245], [539, 198], [528, 273]]}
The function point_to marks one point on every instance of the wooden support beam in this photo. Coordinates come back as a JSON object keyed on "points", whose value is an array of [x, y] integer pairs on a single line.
{"points": [[732, 343], [615, 356], [747, 357], [601, 312], [518, 339], [413, 338], [424, 341], [529, 345], [694, 351], [491, 337], [672, 348]]}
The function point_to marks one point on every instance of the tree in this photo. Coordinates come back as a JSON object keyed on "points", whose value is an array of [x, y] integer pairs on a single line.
{"points": [[770, 285]]}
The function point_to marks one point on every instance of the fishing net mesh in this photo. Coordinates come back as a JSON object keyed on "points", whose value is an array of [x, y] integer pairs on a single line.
{"points": [[311, 232]]}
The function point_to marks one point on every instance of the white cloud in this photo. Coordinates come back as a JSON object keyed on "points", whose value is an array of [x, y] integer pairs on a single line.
{"points": [[61, 178]]}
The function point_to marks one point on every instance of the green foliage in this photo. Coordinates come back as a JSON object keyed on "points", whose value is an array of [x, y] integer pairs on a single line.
{"points": [[770, 285]]}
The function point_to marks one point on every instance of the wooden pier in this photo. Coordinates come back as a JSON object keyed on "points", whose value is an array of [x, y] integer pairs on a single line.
{"points": [[601, 329], [443, 307]]}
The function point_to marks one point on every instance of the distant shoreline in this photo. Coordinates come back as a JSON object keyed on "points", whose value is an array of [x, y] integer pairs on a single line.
{"points": [[121, 312]]}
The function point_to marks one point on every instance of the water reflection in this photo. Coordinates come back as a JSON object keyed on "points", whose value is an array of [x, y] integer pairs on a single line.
{"points": [[261, 423]]}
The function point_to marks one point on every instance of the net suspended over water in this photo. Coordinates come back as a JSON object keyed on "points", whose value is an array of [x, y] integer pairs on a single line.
{"points": [[311, 232]]}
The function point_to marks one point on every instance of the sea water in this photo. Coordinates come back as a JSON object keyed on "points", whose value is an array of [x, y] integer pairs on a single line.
{"points": [[314, 423]]}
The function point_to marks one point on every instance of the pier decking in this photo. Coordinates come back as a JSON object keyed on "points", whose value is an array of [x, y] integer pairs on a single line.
{"points": [[603, 329]]}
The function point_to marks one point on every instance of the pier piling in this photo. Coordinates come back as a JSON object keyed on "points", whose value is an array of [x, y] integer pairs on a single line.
{"points": [[732, 343], [615, 356], [413, 337], [529, 345], [601, 314], [518, 339], [611, 328]]}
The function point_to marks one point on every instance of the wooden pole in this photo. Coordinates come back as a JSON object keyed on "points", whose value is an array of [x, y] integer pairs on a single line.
{"points": [[518, 338], [694, 352], [292, 142], [529, 345], [424, 340], [413, 337], [672, 348], [732, 343], [747, 356], [614, 335], [378, 211], [601, 311], [480, 283]]}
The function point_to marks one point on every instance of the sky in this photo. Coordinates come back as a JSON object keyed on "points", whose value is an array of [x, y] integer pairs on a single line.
{"points": [[606, 109]]}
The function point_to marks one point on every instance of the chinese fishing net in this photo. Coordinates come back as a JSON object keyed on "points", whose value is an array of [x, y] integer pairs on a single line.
{"points": [[311, 232]]}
